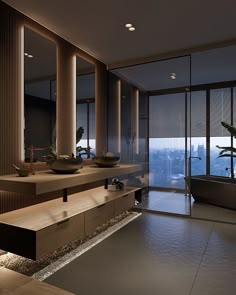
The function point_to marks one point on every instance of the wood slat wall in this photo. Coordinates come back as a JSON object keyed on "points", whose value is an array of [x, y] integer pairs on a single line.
{"points": [[11, 89], [11, 98]]}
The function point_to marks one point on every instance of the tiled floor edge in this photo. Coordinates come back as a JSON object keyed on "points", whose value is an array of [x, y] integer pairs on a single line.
{"points": [[183, 216], [55, 266]]}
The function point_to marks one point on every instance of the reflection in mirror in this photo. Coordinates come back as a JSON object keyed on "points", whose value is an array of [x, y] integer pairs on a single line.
{"points": [[40, 95], [85, 108]]}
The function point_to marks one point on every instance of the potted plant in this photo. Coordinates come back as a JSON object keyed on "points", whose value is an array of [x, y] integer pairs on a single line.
{"points": [[228, 151]]}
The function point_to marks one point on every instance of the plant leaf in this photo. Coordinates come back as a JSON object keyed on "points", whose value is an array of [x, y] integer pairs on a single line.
{"points": [[226, 156], [230, 128], [226, 149]]}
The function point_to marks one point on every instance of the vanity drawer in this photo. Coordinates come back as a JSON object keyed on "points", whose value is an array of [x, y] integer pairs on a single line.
{"points": [[97, 216], [124, 203], [59, 234]]}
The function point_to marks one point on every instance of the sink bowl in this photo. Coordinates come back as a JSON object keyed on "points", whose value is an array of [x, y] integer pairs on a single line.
{"points": [[105, 161], [23, 172], [65, 166]]}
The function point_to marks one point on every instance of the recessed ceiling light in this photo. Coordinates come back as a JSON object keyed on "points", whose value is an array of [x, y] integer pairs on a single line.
{"points": [[28, 55], [131, 29], [173, 76], [128, 25]]}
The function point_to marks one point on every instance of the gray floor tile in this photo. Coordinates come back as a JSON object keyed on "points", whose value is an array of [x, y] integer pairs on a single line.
{"points": [[222, 242], [216, 276], [154, 253]]}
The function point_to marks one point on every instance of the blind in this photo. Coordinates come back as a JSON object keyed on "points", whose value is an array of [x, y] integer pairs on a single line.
{"points": [[198, 114], [220, 110], [167, 116]]}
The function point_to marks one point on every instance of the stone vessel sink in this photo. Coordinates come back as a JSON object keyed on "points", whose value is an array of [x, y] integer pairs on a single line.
{"points": [[65, 166], [105, 161]]}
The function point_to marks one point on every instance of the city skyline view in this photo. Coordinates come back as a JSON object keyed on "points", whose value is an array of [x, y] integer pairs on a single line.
{"points": [[167, 160]]}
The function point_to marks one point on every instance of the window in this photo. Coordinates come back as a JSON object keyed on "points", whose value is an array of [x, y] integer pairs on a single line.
{"points": [[167, 140], [220, 110]]}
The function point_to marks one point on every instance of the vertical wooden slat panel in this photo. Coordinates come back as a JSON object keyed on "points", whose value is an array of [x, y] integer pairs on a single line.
{"points": [[11, 92], [11, 99]]}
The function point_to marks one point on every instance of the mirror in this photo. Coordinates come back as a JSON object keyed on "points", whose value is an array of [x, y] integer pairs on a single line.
{"points": [[39, 94], [85, 108]]}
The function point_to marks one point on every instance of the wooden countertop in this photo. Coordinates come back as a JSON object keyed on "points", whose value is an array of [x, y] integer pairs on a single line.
{"points": [[48, 181]]}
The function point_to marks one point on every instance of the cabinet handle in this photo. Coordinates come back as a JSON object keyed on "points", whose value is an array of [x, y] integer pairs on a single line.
{"points": [[63, 221], [101, 205]]}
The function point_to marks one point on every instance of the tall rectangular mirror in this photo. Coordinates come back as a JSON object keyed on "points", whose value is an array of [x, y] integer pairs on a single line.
{"points": [[39, 94]]}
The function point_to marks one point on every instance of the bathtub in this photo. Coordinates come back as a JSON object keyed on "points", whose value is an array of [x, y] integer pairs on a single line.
{"points": [[215, 190]]}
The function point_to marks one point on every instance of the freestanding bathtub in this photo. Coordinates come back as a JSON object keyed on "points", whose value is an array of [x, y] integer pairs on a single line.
{"points": [[215, 190]]}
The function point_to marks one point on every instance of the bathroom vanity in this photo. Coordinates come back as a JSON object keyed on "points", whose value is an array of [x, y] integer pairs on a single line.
{"points": [[37, 230]]}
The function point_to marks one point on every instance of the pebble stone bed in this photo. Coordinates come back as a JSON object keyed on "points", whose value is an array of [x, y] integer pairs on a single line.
{"points": [[46, 266]]}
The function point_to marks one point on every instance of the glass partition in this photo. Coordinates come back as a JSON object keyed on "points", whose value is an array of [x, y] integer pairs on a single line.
{"points": [[187, 99], [162, 128], [167, 140], [214, 80]]}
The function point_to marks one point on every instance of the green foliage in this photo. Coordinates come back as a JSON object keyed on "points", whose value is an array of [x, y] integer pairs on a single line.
{"points": [[230, 128], [228, 151]]}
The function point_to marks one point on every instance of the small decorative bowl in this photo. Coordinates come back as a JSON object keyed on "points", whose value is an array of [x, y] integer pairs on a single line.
{"points": [[106, 161], [23, 172]]}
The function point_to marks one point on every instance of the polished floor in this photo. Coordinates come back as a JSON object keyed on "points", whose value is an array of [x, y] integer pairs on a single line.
{"points": [[156, 254], [179, 203]]}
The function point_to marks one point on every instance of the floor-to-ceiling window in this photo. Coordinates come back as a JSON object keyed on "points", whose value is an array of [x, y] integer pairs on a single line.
{"points": [[167, 140], [220, 110], [198, 132]]}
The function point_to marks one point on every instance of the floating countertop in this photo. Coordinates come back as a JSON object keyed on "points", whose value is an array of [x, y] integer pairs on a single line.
{"points": [[45, 214], [48, 181]]}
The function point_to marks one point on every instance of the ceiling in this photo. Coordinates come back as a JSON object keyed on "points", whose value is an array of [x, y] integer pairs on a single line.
{"points": [[162, 26], [205, 67]]}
